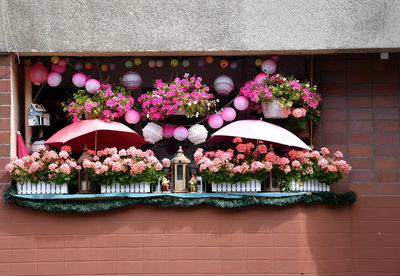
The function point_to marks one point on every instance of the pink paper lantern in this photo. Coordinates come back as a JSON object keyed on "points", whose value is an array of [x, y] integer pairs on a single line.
{"points": [[79, 79], [181, 133], [215, 121], [58, 68], [234, 65], [62, 62], [92, 86], [241, 103], [275, 59], [132, 117], [168, 131], [260, 78], [37, 73], [228, 114], [131, 80], [54, 79], [268, 66]]}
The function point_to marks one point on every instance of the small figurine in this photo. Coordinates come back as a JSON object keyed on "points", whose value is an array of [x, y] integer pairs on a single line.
{"points": [[192, 184], [165, 184]]}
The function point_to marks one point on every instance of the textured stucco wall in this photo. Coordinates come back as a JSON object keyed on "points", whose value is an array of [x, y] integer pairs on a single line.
{"points": [[197, 26]]}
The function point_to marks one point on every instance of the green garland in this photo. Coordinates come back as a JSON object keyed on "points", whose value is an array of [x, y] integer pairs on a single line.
{"points": [[86, 206]]}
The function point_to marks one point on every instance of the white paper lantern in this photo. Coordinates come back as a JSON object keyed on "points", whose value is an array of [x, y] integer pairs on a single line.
{"points": [[197, 134], [268, 66], [131, 80], [152, 133], [223, 85], [40, 143]]}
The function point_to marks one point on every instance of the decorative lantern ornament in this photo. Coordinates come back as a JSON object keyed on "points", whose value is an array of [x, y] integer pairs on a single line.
{"points": [[152, 63], [37, 73], [137, 61], [224, 63], [88, 65], [92, 86], [258, 62], [174, 62], [152, 133], [234, 65], [275, 59], [180, 172], [54, 79], [209, 60], [228, 114], [268, 66], [215, 121], [132, 117], [79, 79], [85, 186], [112, 66], [128, 64], [131, 80], [241, 103], [181, 133], [58, 68], [223, 85], [104, 67], [197, 134], [159, 63], [200, 63], [62, 62], [260, 78], [54, 59], [168, 131], [78, 66], [185, 63]]}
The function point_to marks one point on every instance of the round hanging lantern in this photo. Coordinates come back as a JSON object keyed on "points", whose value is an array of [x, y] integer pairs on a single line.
{"points": [[131, 80], [79, 79], [152, 63], [168, 131], [37, 73], [62, 62], [88, 65], [92, 86], [224, 63], [112, 66], [215, 121], [209, 60], [174, 62], [275, 59], [185, 63], [58, 68], [54, 79], [234, 65], [104, 67], [241, 103], [260, 78], [78, 66], [181, 133], [137, 61], [152, 133], [228, 114], [223, 85], [54, 59], [268, 66], [200, 63], [132, 117], [128, 64], [159, 63], [197, 134], [258, 62]]}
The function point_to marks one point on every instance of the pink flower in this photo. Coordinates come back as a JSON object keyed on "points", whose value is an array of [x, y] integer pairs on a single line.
{"points": [[299, 112], [325, 151], [296, 164], [52, 167], [166, 162], [338, 154], [63, 154], [9, 167], [64, 168]]}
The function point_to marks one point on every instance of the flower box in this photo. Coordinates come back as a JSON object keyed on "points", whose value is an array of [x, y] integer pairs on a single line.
{"points": [[29, 188], [309, 186], [273, 110], [142, 187], [248, 186]]}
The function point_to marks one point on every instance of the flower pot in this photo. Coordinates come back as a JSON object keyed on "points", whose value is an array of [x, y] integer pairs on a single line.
{"points": [[273, 110], [309, 186], [41, 188], [142, 187], [248, 186]]}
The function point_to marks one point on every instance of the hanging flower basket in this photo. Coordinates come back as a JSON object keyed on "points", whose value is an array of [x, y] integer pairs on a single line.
{"points": [[29, 188], [248, 186], [142, 187], [309, 186], [273, 110]]}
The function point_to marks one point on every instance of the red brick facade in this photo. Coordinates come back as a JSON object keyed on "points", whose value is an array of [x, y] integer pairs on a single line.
{"points": [[360, 117]]}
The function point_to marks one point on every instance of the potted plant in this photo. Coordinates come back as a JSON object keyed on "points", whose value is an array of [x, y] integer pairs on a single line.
{"points": [[44, 172], [187, 96], [312, 171], [131, 170], [108, 103], [236, 170]]}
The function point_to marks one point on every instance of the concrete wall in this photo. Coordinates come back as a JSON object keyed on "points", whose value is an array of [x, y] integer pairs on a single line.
{"points": [[203, 26]]}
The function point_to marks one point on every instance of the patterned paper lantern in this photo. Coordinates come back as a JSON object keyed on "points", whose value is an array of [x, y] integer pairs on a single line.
{"points": [[234, 65], [88, 65], [131, 80], [223, 85], [200, 63], [92, 86], [209, 60], [260, 78], [258, 62], [185, 63], [58, 68], [174, 62], [159, 63], [79, 79], [168, 131], [224, 63], [228, 114], [197, 134], [275, 59], [104, 67], [132, 117], [54, 59], [241, 103], [137, 61], [62, 62], [152, 63], [268, 66], [37, 73], [112, 66], [128, 64], [215, 121], [181, 133], [78, 66], [152, 133], [54, 79]]}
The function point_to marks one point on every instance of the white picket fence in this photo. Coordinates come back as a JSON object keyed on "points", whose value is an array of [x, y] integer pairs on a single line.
{"points": [[41, 188], [309, 186], [248, 186], [142, 187]]}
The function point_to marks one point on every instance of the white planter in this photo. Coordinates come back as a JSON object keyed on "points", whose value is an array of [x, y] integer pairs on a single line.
{"points": [[248, 186], [309, 186], [41, 188], [142, 187], [273, 110]]}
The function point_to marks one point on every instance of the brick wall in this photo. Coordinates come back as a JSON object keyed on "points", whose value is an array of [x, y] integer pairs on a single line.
{"points": [[5, 105], [360, 117]]}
